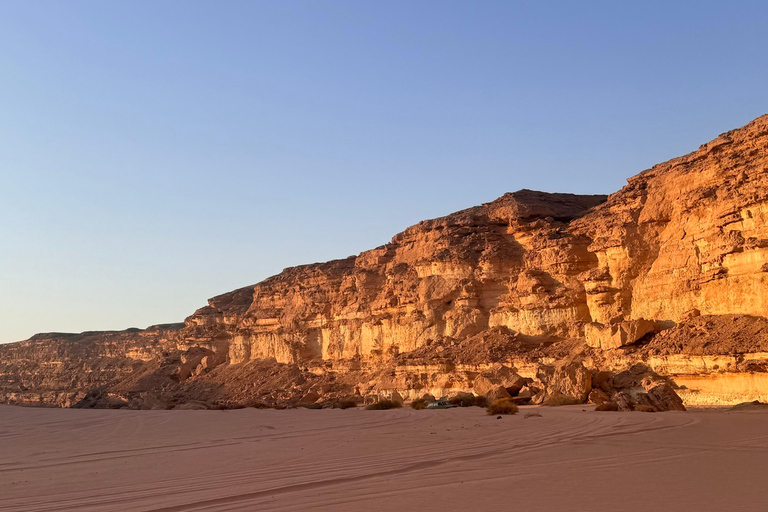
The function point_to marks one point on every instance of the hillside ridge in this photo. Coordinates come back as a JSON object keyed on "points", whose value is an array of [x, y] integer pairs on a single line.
{"points": [[527, 279]]}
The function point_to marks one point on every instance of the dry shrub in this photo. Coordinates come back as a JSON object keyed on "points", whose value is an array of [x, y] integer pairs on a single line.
{"points": [[419, 404], [532, 414], [469, 400], [503, 406], [345, 403], [383, 404], [558, 399]]}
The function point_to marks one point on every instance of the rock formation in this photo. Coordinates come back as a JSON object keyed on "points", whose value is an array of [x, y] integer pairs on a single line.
{"points": [[528, 281]]}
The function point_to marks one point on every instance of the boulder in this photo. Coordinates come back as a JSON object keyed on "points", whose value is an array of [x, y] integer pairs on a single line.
{"points": [[488, 381], [498, 393], [624, 401], [190, 360], [664, 398], [635, 376], [514, 384], [539, 396], [309, 398], [208, 362], [607, 406], [603, 380], [482, 385], [643, 402], [567, 379], [396, 397], [527, 392], [598, 396], [609, 337]]}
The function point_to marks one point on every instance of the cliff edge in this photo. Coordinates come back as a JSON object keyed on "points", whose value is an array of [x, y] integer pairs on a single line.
{"points": [[529, 279]]}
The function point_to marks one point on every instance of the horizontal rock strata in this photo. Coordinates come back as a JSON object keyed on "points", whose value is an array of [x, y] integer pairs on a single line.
{"points": [[529, 279]]}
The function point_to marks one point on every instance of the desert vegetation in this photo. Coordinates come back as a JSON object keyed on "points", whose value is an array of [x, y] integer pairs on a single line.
{"points": [[345, 403], [383, 404], [469, 400], [502, 406]]}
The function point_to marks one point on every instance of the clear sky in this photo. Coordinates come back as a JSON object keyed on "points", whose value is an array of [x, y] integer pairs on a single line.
{"points": [[154, 154]]}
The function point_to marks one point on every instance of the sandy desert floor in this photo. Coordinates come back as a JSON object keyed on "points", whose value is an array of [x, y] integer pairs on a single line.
{"points": [[398, 460]]}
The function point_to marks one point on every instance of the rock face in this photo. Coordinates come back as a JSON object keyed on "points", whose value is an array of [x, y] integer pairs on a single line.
{"points": [[618, 334], [531, 277], [688, 234], [508, 263], [685, 235], [59, 369]]}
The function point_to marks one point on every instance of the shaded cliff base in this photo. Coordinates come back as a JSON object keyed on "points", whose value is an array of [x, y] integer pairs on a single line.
{"points": [[706, 360]]}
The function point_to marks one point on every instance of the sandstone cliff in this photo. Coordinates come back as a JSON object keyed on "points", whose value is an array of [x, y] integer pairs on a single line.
{"points": [[528, 279], [510, 263], [686, 237]]}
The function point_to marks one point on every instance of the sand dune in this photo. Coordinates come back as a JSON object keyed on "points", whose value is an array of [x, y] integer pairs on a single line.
{"points": [[355, 460]]}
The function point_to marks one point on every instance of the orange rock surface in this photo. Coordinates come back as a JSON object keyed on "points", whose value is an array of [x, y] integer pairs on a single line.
{"points": [[531, 277], [686, 235]]}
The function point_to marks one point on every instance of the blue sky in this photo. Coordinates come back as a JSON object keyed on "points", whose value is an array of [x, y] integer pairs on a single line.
{"points": [[154, 154]]}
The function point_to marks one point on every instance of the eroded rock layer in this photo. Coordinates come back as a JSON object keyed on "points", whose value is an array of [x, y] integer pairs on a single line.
{"points": [[531, 278]]}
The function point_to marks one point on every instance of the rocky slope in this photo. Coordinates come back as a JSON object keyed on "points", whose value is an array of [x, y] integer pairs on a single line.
{"points": [[528, 280]]}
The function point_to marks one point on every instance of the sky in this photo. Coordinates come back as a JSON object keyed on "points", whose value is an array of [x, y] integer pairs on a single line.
{"points": [[155, 154]]}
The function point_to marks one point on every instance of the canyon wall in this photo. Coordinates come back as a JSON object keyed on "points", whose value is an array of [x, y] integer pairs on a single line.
{"points": [[528, 279], [508, 263], [686, 237]]}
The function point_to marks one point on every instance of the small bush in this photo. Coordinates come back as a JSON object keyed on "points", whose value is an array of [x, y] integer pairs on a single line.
{"points": [[532, 414], [502, 406], [345, 403], [383, 404], [469, 400], [481, 401], [558, 399], [462, 399], [419, 404]]}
